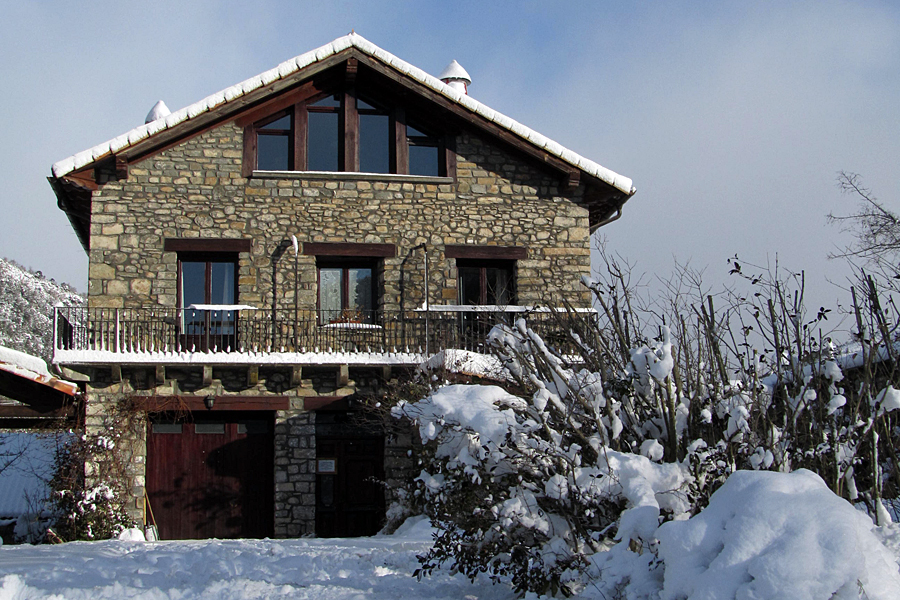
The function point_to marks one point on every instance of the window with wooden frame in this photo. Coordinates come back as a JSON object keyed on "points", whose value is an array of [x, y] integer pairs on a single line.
{"points": [[490, 283], [207, 285], [323, 150], [207, 288], [346, 289], [274, 138], [425, 152], [346, 132], [350, 279], [486, 275]]}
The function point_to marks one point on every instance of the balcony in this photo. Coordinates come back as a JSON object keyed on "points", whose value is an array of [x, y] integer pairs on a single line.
{"points": [[212, 335]]}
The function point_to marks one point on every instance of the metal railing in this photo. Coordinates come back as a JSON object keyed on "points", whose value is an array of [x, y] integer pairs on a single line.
{"points": [[92, 334]]}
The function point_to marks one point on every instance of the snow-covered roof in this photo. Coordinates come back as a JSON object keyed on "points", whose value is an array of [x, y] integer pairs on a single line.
{"points": [[34, 369], [294, 65]]}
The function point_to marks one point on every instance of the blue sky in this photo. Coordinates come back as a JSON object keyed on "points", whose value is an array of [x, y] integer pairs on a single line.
{"points": [[732, 119]]}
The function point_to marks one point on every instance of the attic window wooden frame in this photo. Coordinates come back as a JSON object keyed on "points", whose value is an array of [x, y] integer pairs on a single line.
{"points": [[348, 136]]}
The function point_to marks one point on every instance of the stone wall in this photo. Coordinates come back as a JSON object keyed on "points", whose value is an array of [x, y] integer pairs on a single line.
{"points": [[195, 190]]}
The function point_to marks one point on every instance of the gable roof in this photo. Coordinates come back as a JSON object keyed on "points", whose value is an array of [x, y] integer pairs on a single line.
{"points": [[302, 62]]}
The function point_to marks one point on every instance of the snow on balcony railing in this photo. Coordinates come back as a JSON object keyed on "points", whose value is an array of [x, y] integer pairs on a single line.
{"points": [[238, 335]]}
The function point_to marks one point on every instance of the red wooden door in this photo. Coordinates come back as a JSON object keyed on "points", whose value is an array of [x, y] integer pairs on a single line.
{"points": [[212, 476]]}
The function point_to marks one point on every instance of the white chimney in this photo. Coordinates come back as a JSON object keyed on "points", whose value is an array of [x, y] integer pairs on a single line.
{"points": [[456, 77], [158, 111]]}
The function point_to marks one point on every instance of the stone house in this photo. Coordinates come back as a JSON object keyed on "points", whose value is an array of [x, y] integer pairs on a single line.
{"points": [[262, 257]]}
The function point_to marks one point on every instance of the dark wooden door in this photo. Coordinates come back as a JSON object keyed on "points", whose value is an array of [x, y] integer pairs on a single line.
{"points": [[349, 500], [212, 476]]}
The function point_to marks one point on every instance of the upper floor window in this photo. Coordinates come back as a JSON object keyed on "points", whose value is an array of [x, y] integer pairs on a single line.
{"points": [[207, 288], [483, 282], [323, 152], [350, 280], [344, 132], [424, 152], [273, 142], [486, 275], [346, 290]]}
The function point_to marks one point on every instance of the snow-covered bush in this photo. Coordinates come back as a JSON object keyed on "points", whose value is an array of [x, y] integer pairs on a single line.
{"points": [[776, 535], [93, 474], [516, 495], [646, 421], [87, 509]]}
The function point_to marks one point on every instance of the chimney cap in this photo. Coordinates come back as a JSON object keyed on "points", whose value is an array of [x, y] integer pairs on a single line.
{"points": [[158, 111], [454, 72]]}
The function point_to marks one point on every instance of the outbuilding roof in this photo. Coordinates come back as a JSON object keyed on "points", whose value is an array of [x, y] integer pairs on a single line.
{"points": [[299, 63]]}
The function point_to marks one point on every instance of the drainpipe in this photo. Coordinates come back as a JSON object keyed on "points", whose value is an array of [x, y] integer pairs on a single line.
{"points": [[427, 304], [424, 248], [296, 245]]}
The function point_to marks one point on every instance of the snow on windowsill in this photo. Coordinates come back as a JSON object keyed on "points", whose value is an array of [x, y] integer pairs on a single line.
{"points": [[352, 176]]}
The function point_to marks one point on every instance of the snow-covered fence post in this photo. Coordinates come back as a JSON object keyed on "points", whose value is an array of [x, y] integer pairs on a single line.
{"points": [[56, 336], [118, 333]]}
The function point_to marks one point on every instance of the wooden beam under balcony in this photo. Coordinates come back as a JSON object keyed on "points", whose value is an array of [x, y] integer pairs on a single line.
{"points": [[219, 403]]}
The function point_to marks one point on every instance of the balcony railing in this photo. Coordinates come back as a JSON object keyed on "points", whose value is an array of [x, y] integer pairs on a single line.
{"points": [[212, 335]]}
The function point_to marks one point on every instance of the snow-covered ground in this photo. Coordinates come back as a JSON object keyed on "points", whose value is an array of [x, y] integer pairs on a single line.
{"points": [[764, 534], [742, 547], [371, 568]]}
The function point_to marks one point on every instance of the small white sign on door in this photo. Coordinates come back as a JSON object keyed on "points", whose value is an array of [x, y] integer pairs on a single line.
{"points": [[326, 465]]}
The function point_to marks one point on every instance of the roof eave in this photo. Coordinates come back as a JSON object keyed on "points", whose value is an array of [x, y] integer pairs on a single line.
{"points": [[66, 203]]}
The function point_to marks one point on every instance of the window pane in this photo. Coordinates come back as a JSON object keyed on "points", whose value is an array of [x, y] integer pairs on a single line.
{"points": [[193, 283], [469, 285], [193, 291], [273, 152], [322, 147], [222, 292], [330, 293], [253, 427], [214, 428], [222, 275], [333, 101], [284, 123], [423, 160], [374, 144], [167, 428], [360, 291], [499, 290]]}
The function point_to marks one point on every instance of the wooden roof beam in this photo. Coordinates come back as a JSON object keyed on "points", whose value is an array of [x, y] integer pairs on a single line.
{"points": [[571, 180], [351, 67]]}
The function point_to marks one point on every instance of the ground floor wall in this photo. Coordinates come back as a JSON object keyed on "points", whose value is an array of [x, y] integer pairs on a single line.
{"points": [[138, 410]]}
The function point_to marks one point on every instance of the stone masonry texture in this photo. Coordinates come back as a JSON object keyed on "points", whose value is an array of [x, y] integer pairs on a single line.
{"points": [[195, 190]]}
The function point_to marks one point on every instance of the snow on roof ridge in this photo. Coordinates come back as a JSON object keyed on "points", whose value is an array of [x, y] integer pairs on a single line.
{"points": [[291, 66]]}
